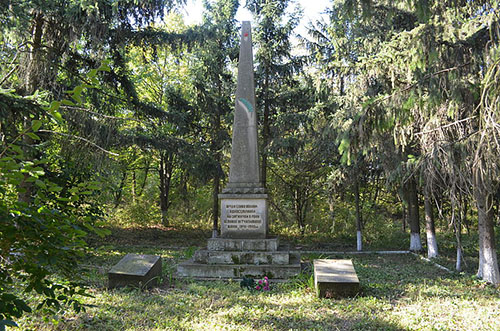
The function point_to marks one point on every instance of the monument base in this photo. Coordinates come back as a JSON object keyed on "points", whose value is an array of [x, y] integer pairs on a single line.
{"points": [[237, 258], [228, 244]]}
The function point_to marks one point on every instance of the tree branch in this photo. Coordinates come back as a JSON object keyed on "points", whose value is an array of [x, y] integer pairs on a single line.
{"points": [[80, 138], [98, 114], [445, 126], [408, 87]]}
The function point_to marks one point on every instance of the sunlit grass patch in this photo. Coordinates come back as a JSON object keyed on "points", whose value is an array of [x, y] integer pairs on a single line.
{"points": [[398, 292]]}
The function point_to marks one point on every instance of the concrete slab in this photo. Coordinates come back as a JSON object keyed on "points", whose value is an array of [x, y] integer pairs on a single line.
{"points": [[335, 278], [136, 270]]}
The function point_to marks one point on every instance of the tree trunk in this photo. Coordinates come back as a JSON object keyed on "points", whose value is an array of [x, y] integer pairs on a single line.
{"points": [[118, 197], [32, 79], [405, 217], [165, 171], [215, 205], [488, 263], [331, 206], [414, 218], [458, 235], [134, 184], [465, 219], [299, 210], [147, 163], [359, 220], [215, 149], [266, 133], [305, 210], [183, 188], [430, 230], [403, 198], [31, 85]]}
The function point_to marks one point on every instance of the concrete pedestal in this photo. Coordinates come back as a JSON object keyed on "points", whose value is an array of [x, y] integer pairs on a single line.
{"points": [[227, 244]]}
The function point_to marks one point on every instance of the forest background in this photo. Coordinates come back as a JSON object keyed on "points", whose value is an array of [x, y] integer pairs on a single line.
{"points": [[380, 119]]}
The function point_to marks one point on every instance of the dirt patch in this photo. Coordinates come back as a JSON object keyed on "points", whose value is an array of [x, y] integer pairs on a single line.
{"points": [[152, 236]]}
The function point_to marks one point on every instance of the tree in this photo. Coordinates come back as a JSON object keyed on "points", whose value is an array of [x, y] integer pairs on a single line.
{"points": [[214, 86], [301, 153], [161, 74], [46, 210], [436, 78], [275, 64], [341, 49], [41, 234]]}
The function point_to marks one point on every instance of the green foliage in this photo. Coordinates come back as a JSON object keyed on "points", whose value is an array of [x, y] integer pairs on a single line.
{"points": [[141, 213], [390, 90], [44, 222], [38, 238], [248, 283]]}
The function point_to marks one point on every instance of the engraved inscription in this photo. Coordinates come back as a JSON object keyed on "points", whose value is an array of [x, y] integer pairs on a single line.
{"points": [[240, 216], [243, 216]]}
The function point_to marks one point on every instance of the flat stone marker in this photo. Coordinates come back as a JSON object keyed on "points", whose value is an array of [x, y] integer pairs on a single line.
{"points": [[335, 278], [137, 270]]}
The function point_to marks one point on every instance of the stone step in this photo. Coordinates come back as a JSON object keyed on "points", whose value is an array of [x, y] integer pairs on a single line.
{"points": [[238, 257], [273, 271], [227, 244], [335, 278]]}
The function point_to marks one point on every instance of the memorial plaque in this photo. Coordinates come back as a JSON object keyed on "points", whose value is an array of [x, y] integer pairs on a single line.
{"points": [[243, 218]]}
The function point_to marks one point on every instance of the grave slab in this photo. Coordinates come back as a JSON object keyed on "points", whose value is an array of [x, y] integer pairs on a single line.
{"points": [[335, 278], [135, 270]]}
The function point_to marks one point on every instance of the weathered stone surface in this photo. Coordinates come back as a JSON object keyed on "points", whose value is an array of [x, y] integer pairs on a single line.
{"points": [[136, 270], [201, 270], [228, 244], [244, 216], [234, 189], [244, 170], [248, 257], [335, 278]]}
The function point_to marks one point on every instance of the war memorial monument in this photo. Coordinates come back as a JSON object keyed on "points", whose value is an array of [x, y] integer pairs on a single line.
{"points": [[244, 247]]}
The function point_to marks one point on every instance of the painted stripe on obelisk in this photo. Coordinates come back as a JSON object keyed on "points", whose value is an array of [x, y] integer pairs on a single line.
{"points": [[246, 104]]}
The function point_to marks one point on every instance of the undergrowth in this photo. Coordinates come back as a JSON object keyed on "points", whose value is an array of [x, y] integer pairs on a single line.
{"points": [[398, 292]]}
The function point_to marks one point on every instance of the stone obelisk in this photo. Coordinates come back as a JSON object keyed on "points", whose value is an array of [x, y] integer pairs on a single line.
{"points": [[244, 200], [243, 248]]}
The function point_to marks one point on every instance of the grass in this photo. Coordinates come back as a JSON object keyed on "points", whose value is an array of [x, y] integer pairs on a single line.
{"points": [[398, 292]]}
